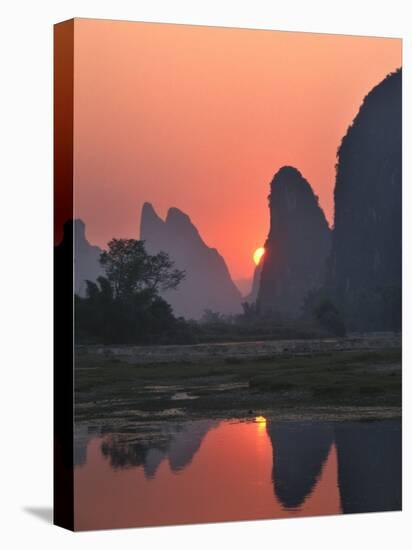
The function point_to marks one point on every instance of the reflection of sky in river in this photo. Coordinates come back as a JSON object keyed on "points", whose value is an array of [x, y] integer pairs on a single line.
{"points": [[206, 470]]}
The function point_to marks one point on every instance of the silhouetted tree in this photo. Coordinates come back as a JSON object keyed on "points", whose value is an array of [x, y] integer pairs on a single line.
{"points": [[130, 269], [212, 317], [250, 311], [320, 306], [328, 316], [125, 306]]}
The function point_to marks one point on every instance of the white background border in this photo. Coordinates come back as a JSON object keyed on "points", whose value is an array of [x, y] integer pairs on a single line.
{"points": [[26, 271]]}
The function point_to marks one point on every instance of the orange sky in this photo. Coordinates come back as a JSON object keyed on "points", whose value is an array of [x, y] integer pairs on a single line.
{"points": [[202, 117]]}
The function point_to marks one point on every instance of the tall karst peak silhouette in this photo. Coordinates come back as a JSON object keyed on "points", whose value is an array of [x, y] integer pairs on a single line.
{"points": [[207, 284], [150, 220], [149, 212], [297, 246], [176, 216], [366, 265], [291, 180], [182, 225]]}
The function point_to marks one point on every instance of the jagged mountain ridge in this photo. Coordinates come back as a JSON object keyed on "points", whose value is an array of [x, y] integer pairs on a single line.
{"points": [[208, 284], [297, 246]]}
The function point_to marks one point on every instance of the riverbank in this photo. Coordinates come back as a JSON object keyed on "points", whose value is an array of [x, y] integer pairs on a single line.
{"points": [[193, 353], [351, 378]]}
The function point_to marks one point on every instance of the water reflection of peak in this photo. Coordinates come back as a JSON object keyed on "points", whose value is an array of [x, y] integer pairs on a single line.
{"points": [[178, 443], [369, 465], [299, 452]]}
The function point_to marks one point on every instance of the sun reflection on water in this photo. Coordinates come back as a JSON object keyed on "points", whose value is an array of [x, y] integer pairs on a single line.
{"points": [[261, 423]]}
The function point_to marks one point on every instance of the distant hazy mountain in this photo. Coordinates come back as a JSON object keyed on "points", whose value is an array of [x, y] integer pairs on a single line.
{"points": [[86, 258], [207, 284], [366, 266], [178, 444], [297, 246]]}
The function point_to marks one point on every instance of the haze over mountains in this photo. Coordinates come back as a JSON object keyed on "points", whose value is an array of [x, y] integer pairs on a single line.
{"points": [[208, 284], [358, 263]]}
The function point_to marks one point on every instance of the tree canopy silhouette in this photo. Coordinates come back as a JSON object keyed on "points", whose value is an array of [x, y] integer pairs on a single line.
{"points": [[124, 307], [130, 269]]}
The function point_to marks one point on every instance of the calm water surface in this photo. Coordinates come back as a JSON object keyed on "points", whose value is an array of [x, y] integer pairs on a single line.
{"points": [[209, 470]]}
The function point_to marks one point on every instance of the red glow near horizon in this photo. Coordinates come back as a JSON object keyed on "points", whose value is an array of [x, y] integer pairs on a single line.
{"points": [[202, 117]]}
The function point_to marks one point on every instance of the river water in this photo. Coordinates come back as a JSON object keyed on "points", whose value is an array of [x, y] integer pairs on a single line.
{"points": [[199, 471]]}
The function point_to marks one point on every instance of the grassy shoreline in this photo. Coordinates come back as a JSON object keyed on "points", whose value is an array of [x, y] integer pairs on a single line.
{"points": [[113, 390]]}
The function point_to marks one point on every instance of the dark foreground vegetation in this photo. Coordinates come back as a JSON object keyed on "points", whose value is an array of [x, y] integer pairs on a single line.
{"points": [[344, 383], [126, 307]]}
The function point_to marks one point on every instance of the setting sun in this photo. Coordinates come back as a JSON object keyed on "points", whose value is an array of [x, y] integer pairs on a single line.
{"points": [[257, 255]]}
